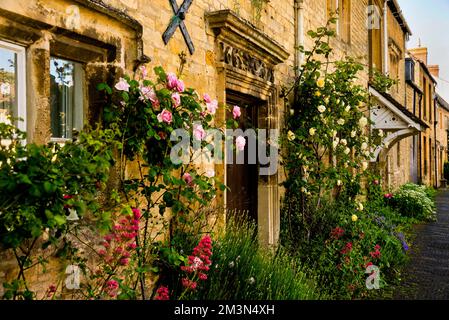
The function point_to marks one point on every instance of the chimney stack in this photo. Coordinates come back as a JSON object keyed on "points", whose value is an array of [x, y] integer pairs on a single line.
{"points": [[435, 70], [420, 54]]}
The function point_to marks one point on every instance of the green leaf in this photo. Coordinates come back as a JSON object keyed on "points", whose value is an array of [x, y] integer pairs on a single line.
{"points": [[104, 87], [24, 179], [49, 187], [160, 73], [60, 220]]}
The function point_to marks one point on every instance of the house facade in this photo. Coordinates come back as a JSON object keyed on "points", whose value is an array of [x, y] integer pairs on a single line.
{"points": [[53, 53]]}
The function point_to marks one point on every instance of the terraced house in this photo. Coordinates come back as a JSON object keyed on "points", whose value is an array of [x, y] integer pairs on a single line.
{"points": [[53, 53]]}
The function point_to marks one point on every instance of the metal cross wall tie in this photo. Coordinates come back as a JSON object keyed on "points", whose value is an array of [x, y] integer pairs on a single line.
{"points": [[178, 20]]}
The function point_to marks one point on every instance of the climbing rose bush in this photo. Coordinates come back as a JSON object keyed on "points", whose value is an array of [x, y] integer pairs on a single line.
{"points": [[147, 113]]}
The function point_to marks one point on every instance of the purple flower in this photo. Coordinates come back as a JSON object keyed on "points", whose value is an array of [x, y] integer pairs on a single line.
{"points": [[400, 236], [405, 246]]}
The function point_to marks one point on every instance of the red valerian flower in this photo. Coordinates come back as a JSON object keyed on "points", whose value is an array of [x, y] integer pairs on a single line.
{"points": [[347, 248], [162, 293], [189, 284], [111, 288], [388, 195], [337, 233], [376, 253]]}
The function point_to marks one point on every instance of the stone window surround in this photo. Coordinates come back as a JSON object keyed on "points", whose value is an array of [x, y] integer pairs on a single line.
{"points": [[245, 62], [103, 60]]}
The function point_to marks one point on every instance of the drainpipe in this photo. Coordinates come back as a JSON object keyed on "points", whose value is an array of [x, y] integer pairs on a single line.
{"points": [[299, 33], [420, 142], [386, 66], [435, 122]]}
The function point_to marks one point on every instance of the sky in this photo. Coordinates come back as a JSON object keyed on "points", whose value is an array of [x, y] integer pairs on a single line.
{"points": [[429, 23]]}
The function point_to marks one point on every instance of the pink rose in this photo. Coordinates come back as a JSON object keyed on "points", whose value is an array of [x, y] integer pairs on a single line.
{"points": [[207, 98], [149, 94], [165, 116], [187, 178], [176, 99], [212, 106], [198, 132], [143, 71], [236, 112], [180, 85], [240, 142], [122, 85], [172, 81]]}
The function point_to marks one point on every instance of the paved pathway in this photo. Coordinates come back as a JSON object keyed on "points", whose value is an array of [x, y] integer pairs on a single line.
{"points": [[427, 274]]}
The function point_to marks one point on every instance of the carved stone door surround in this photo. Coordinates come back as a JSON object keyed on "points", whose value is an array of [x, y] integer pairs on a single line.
{"points": [[245, 62]]}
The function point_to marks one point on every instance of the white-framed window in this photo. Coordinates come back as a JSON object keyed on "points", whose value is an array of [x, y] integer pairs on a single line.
{"points": [[66, 98], [13, 83]]}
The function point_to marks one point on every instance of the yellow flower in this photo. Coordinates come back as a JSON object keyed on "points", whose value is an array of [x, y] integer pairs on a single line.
{"points": [[320, 83], [290, 136], [354, 218], [312, 131], [317, 94]]}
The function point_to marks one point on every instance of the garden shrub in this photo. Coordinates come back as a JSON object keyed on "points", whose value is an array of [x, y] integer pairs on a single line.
{"points": [[413, 200], [329, 221], [241, 269], [339, 256], [40, 185]]}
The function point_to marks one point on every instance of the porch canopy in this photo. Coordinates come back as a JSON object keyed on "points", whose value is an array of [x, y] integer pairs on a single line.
{"points": [[394, 119]]}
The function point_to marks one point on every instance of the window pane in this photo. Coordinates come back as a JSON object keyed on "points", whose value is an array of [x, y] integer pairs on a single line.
{"points": [[66, 97], [8, 84]]}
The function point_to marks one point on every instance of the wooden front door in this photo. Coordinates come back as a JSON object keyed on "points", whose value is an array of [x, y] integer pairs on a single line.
{"points": [[242, 179]]}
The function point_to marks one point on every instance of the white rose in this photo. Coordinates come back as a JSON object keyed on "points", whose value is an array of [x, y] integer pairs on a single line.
{"points": [[321, 109], [335, 143], [363, 122], [210, 173], [339, 183], [334, 133], [353, 133], [344, 142], [347, 108], [347, 150], [364, 146], [381, 133], [364, 165], [341, 122]]}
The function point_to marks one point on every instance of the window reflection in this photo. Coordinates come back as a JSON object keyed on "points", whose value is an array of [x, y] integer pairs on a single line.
{"points": [[8, 80], [66, 97]]}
